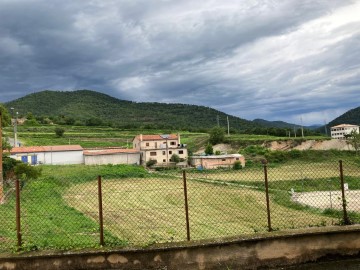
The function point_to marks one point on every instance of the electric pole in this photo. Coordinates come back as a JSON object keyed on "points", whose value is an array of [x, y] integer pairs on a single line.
{"points": [[228, 125], [302, 128]]}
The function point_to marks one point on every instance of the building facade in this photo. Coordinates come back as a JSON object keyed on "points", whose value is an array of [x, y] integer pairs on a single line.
{"points": [[111, 156], [54, 155], [340, 131], [159, 147], [217, 161]]}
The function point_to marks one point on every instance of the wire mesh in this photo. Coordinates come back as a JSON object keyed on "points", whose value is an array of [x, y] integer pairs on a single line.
{"points": [[141, 207]]}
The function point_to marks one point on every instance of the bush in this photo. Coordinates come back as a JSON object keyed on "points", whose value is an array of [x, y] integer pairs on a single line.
{"points": [[217, 153], [59, 131], [151, 162], [175, 158], [217, 135], [237, 165], [209, 150]]}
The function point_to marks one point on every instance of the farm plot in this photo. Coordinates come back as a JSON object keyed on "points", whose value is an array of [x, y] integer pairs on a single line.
{"points": [[151, 210]]}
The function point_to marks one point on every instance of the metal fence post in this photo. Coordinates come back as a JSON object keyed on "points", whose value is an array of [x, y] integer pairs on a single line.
{"points": [[267, 196], [345, 215], [101, 220], [186, 207], [18, 224]]}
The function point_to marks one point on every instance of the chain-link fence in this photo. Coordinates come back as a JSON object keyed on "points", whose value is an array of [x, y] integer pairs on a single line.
{"points": [[177, 205]]}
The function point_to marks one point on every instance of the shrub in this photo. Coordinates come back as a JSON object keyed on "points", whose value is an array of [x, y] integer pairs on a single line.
{"points": [[209, 150], [217, 135], [175, 158], [151, 162], [217, 152], [237, 165], [59, 131]]}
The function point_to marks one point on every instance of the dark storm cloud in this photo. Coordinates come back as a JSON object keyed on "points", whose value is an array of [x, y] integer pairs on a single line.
{"points": [[257, 58]]}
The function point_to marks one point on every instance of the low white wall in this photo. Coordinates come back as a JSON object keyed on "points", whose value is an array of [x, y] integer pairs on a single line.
{"points": [[119, 158]]}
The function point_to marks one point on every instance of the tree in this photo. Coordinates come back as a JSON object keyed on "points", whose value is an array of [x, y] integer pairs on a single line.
{"points": [[59, 131], [209, 150], [354, 140], [175, 158], [217, 135]]}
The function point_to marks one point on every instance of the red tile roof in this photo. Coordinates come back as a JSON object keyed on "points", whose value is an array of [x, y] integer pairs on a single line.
{"points": [[109, 152], [54, 148], [157, 137]]}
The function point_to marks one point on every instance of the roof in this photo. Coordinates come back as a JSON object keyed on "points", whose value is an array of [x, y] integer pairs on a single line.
{"points": [[157, 137], [219, 156], [109, 152], [344, 125], [55, 148]]}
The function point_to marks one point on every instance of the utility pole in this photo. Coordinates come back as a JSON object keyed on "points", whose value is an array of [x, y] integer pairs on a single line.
{"points": [[302, 128], [294, 131], [228, 125], [325, 127], [1, 163], [15, 129]]}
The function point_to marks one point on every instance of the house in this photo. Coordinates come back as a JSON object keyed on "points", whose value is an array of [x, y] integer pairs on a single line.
{"points": [[111, 156], [339, 131], [159, 147], [55, 155], [217, 161]]}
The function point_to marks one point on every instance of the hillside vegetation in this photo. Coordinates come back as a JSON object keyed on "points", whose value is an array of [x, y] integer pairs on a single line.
{"points": [[350, 117], [86, 107]]}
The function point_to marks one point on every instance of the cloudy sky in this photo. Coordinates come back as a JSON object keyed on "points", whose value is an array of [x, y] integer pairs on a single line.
{"points": [[271, 59]]}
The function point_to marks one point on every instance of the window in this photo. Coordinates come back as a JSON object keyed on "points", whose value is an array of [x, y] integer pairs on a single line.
{"points": [[172, 143], [237, 158], [164, 153], [223, 159], [170, 152], [181, 152], [152, 154], [147, 144], [164, 160]]}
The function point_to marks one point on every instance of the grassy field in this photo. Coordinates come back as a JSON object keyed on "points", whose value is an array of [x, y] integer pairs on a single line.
{"points": [[88, 136], [144, 211], [94, 136], [60, 210]]}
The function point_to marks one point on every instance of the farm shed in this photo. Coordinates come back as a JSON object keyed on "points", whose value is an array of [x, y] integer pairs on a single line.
{"points": [[217, 161], [112, 156], [55, 155]]}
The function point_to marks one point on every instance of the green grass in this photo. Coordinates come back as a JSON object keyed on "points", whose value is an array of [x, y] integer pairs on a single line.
{"points": [[47, 220]]}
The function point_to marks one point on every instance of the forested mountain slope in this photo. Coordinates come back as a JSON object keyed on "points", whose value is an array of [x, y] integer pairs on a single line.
{"points": [[96, 108]]}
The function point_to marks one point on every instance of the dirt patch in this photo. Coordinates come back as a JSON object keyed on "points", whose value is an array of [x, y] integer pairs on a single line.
{"points": [[222, 147], [329, 199], [311, 145]]}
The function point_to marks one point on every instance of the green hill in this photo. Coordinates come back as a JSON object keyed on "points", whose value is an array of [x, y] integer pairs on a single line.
{"points": [[350, 117], [94, 108]]}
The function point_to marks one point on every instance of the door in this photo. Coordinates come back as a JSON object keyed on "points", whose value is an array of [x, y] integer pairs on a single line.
{"points": [[24, 159], [33, 160]]}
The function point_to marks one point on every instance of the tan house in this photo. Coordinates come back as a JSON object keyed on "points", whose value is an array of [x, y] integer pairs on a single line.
{"points": [[339, 131], [217, 161], [159, 147]]}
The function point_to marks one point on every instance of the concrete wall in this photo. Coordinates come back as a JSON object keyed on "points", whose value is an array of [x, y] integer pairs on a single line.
{"points": [[62, 158], [275, 249], [119, 158]]}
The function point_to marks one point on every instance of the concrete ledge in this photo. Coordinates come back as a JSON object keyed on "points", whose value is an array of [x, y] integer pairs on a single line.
{"points": [[249, 252]]}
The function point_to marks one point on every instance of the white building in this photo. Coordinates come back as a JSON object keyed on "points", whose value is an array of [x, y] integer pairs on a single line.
{"points": [[159, 147], [339, 131], [55, 155], [111, 156]]}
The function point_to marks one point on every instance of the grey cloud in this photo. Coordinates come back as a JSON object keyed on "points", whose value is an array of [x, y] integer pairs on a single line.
{"points": [[248, 58]]}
